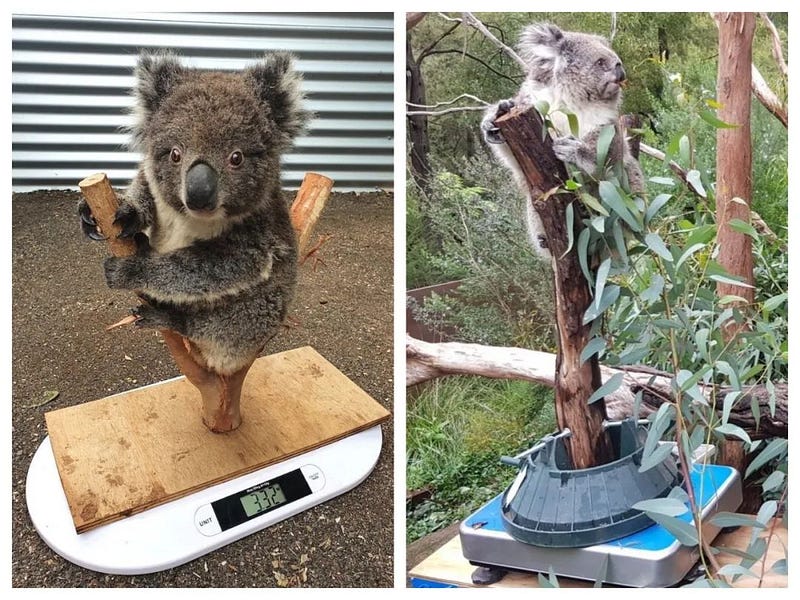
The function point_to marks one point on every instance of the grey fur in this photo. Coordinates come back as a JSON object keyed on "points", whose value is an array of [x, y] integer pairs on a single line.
{"points": [[574, 73], [224, 277]]}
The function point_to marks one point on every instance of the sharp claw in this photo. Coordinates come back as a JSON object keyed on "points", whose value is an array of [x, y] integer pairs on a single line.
{"points": [[88, 219], [93, 235]]}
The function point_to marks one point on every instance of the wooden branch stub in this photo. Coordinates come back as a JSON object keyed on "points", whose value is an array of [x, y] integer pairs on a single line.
{"points": [[308, 206], [102, 200], [575, 380]]}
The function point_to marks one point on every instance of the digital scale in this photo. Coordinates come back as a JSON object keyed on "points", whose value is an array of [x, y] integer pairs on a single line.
{"points": [[181, 530], [649, 558]]}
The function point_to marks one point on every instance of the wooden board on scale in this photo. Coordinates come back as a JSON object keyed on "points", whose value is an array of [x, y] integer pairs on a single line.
{"points": [[126, 453]]}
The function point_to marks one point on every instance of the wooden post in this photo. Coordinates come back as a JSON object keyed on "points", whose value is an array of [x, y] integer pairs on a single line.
{"points": [[574, 381], [220, 394]]}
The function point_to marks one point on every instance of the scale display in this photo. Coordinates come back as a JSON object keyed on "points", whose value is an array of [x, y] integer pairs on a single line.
{"points": [[254, 501]]}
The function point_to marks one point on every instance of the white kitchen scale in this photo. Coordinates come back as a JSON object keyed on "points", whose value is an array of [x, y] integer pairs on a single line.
{"points": [[186, 528]]}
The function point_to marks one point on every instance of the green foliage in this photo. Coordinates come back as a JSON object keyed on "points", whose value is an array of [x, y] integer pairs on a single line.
{"points": [[656, 303], [456, 430], [477, 235]]}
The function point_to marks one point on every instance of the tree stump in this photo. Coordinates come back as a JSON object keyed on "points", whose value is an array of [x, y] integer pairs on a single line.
{"points": [[220, 394]]}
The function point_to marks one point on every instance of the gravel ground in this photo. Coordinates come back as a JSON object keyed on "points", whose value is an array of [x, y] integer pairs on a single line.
{"points": [[343, 309]]}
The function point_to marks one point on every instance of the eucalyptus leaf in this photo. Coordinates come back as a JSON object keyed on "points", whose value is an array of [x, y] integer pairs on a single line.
{"points": [[655, 458], [594, 204], [610, 386], [727, 404], [653, 291], [733, 430], [730, 519], [583, 254], [780, 567], [663, 506], [715, 121], [610, 195], [766, 512], [693, 177], [774, 481], [593, 346], [657, 245], [741, 227], [736, 570], [610, 295], [662, 180], [774, 302], [684, 532], [688, 253], [570, 216], [603, 142], [656, 205], [600, 281]]}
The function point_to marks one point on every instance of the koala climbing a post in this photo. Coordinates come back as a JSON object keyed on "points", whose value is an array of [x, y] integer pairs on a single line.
{"points": [[216, 255], [574, 73]]}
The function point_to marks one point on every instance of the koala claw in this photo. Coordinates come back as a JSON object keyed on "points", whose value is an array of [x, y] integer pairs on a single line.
{"points": [[491, 133], [149, 317], [88, 224]]}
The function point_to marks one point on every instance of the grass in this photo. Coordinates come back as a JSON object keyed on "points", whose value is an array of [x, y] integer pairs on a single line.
{"points": [[457, 429]]}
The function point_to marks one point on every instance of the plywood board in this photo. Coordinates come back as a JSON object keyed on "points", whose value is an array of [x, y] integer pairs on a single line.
{"points": [[129, 452]]}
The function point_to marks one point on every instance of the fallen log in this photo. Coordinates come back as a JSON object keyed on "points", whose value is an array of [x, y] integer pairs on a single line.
{"points": [[425, 361]]}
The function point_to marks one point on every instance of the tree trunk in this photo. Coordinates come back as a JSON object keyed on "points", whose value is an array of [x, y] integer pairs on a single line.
{"points": [[734, 153], [417, 124], [575, 381]]}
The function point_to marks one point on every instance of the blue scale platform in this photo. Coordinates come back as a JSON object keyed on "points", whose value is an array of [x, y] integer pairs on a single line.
{"points": [[649, 558]]}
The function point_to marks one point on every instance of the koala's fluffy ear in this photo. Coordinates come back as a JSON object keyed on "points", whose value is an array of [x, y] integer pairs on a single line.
{"points": [[540, 46], [156, 76], [278, 86]]}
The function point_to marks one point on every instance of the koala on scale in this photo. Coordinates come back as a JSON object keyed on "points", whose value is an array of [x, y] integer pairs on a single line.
{"points": [[217, 254], [574, 73]]}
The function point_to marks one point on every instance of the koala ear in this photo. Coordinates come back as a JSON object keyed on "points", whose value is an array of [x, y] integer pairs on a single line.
{"points": [[278, 87], [541, 45], [156, 77]]}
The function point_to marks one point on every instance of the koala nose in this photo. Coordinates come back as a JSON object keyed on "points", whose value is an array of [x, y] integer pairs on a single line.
{"points": [[201, 187], [619, 72]]}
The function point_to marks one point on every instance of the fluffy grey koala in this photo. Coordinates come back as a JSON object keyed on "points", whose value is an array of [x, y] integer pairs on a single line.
{"points": [[574, 73], [217, 254]]}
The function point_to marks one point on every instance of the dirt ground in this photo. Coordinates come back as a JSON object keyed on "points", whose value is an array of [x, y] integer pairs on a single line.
{"points": [[343, 309]]}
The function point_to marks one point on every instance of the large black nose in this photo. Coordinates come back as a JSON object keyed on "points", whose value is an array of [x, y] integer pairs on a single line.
{"points": [[619, 72], [201, 187]]}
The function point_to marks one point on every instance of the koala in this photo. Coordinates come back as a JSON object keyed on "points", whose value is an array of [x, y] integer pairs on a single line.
{"points": [[574, 73], [216, 256]]}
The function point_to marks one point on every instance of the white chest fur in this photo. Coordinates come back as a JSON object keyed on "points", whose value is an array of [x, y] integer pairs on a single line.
{"points": [[590, 116], [174, 230]]}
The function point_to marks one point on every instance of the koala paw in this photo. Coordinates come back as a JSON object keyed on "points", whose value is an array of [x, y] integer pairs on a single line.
{"points": [[491, 133], [88, 224], [123, 273], [567, 148], [150, 317], [128, 220]]}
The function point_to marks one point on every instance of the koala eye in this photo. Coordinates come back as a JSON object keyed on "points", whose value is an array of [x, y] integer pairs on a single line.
{"points": [[236, 158], [601, 62], [175, 155]]}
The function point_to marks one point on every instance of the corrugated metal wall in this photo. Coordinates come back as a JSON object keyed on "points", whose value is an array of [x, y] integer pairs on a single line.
{"points": [[71, 78]]}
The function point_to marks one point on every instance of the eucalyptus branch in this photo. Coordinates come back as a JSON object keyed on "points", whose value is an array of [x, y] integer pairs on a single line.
{"points": [[472, 21], [777, 50], [437, 113]]}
